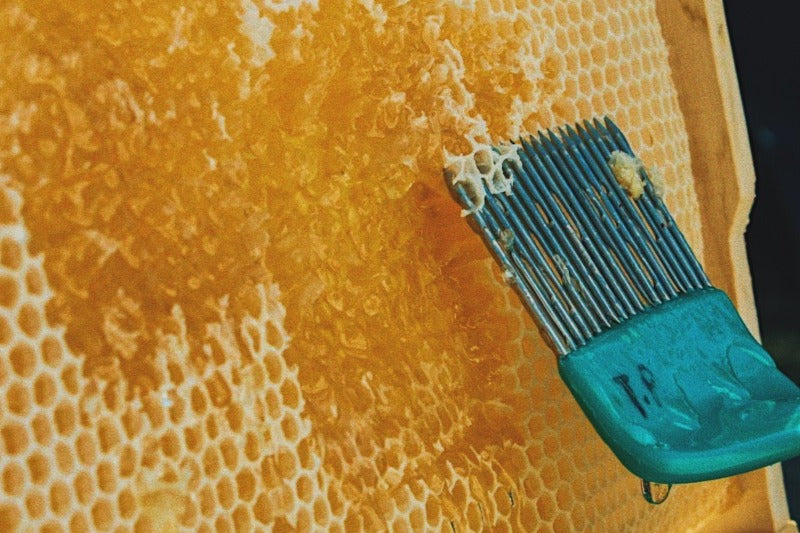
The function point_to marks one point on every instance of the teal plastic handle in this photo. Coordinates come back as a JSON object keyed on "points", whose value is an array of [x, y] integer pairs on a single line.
{"points": [[682, 392]]}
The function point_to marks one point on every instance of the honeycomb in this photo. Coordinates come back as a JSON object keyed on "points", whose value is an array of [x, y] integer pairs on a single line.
{"points": [[235, 294]]}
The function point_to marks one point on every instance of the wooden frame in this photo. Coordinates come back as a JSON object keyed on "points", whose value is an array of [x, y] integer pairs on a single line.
{"points": [[708, 91]]}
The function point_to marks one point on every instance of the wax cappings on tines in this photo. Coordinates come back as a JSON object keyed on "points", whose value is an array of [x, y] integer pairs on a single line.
{"points": [[586, 256]]}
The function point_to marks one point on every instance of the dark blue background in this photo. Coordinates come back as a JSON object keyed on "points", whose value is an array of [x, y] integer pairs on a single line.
{"points": [[765, 37]]}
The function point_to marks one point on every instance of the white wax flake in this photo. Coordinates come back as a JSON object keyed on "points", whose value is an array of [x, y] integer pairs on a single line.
{"points": [[626, 169], [281, 6], [179, 41], [220, 120], [212, 162], [259, 30]]}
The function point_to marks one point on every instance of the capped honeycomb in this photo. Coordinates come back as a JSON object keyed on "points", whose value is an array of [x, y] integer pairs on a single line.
{"points": [[235, 294]]}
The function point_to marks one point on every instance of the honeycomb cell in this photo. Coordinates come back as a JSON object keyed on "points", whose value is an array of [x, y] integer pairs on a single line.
{"points": [[52, 527], [127, 461], [10, 253], [23, 359], [15, 438], [322, 512], [226, 493], [44, 389], [51, 351], [274, 369], [198, 400], [10, 517], [565, 497], [290, 395], [78, 523], [108, 435], [230, 453], [170, 444], [191, 515], [416, 519], [106, 477], [38, 468], [273, 403], [261, 509], [211, 462], [193, 438], [223, 524], [562, 524], [65, 418], [34, 281], [234, 415], [18, 400], [251, 447], [208, 503], [83, 486], [103, 515], [29, 320], [13, 479], [245, 485], [304, 488], [212, 428], [218, 390], [9, 291], [290, 429], [6, 335], [286, 464], [8, 209], [86, 448], [546, 507], [60, 498], [35, 504], [70, 379], [304, 519], [241, 519], [64, 458]]}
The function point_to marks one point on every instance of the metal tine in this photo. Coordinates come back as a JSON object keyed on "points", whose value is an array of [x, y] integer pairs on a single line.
{"points": [[578, 214], [551, 191], [659, 219], [598, 137], [556, 243], [598, 261], [636, 233], [547, 296], [577, 179], [561, 339], [681, 243], [581, 295], [584, 254], [647, 233], [524, 244], [642, 240]]}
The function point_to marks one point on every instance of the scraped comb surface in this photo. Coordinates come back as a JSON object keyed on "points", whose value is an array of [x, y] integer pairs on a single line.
{"points": [[579, 250]]}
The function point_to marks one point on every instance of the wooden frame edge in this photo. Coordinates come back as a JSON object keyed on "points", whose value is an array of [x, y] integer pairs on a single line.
{"points": [[704, 74]]}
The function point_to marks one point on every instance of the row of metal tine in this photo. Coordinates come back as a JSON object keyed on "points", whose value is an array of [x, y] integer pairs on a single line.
{"points": [[581, 253]]}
